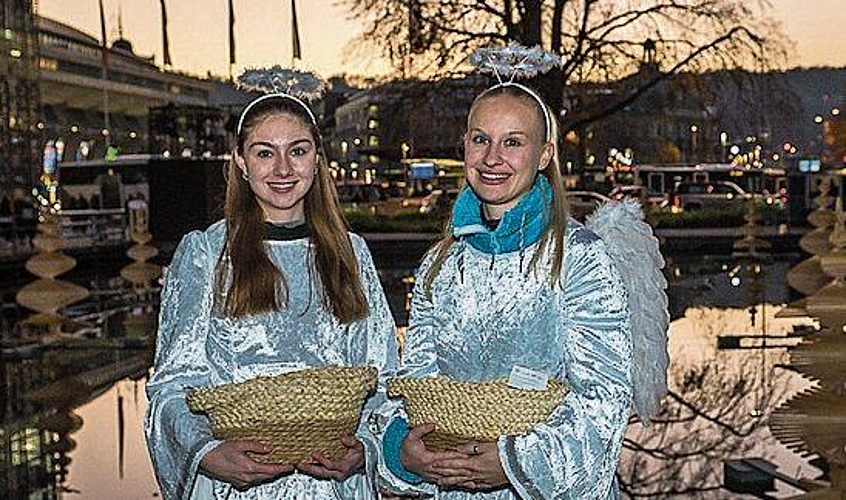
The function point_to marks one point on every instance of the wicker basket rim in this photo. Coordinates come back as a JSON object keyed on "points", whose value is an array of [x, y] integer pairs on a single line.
{"points": [[309, 384]]}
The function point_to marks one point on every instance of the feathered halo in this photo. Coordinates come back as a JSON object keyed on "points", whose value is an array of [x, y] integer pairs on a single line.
{"points": [[514, 61], [276, 81], [303, 85]]}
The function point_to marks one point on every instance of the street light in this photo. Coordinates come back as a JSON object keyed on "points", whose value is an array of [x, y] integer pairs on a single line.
{"points": [[693, 130]]}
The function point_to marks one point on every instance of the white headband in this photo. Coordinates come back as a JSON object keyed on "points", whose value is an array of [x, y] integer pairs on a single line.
{"points": [[547, 119], [283, 95], [512, 61]]}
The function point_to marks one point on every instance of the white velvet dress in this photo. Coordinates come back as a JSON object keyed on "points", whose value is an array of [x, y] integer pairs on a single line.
{"points": [[197, 348]]}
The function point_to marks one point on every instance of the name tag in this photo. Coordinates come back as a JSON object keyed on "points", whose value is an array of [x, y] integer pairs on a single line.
{"points": [[526, 378]]}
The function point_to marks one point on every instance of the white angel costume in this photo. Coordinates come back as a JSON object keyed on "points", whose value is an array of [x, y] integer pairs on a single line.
{"points": [[488, 312], [198, 348]]}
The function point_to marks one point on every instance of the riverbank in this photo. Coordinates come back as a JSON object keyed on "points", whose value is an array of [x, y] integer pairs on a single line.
{"points": [[404, 247], [412, 245]]}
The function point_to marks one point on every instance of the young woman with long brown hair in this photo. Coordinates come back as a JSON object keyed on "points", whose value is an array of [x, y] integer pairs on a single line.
{"points": [[279, 285]]}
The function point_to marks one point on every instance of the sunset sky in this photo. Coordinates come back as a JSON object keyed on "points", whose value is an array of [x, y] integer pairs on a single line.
{"points": [[198, 31]]}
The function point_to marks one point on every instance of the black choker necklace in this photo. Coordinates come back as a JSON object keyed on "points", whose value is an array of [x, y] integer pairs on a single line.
{"points": [[286, 231]]}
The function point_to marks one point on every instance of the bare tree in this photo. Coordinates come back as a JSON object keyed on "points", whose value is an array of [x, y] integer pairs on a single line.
{"points": [[599, 41], [680, 453]]}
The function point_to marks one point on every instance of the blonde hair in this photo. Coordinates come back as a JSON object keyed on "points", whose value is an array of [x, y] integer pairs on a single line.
{"points": [[556, 231], [247, 282]]}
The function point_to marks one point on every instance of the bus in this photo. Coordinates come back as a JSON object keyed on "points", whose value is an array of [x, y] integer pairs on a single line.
{"points": [[662, 179], [425, 175]]}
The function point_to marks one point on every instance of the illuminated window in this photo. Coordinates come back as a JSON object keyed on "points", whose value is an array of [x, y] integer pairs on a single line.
{"points": [[48, 64], [372, 124], [373, 141]]}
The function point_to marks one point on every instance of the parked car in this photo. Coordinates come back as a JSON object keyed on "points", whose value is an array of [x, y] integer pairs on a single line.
{"points": [[582, 203], [638, 192], [438, 202], [690, 195]]}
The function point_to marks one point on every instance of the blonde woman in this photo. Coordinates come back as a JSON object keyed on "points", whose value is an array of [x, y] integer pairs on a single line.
{"points": [[516, 285]]}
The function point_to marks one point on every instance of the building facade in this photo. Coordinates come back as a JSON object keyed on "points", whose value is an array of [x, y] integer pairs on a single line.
{"points": [[93, 99], [378, 128], [19, 96]]}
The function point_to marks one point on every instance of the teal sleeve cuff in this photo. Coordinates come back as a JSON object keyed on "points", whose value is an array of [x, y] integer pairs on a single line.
{"points": [[391, 446]]}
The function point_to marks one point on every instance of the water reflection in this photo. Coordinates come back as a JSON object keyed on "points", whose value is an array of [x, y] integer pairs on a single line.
{"points": [[63, 411], [42, 415], [96, 471], [717, 409]]}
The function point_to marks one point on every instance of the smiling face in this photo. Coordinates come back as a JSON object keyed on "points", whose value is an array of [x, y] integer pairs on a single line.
{"points": [[279, 156], [504, 148]]}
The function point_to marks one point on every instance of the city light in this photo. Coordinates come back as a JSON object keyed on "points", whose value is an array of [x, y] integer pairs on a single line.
{"points": [[91, 78]]}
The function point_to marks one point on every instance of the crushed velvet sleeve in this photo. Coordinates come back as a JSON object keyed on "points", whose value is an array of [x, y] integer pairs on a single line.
{"points": [[419, 359], [574, 454], [178, 439], [374, 342], [420, 356]]}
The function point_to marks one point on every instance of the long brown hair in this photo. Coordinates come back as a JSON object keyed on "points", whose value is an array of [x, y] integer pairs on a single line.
{"points": [[557, 228], [247, 282]]}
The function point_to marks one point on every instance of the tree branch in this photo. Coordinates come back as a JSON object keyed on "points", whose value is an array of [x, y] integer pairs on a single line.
{"points": [[658, 78]]}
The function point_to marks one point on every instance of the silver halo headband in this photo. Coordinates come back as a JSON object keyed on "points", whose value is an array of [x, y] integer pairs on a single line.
{"points": [[265, 97], [547, 119]]}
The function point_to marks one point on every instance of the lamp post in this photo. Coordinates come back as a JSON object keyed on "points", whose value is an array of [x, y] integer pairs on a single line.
{"points": [[693, 154]]}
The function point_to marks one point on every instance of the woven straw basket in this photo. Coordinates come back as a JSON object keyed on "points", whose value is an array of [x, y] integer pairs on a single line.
{"points": [[295, 414], [464, 412]]}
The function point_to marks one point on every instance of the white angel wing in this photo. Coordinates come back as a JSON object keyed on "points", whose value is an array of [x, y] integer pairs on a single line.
{"points": [[635, 250]]}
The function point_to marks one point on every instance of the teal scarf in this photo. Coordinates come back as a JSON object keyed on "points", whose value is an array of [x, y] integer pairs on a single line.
{"points": [[520, 227]]}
